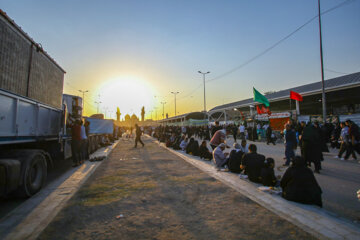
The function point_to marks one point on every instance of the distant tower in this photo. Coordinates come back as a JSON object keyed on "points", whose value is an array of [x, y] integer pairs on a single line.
{"points": [[118, 114]]}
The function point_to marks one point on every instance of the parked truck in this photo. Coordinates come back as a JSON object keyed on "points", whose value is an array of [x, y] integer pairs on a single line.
{"points": [[35, 115]]}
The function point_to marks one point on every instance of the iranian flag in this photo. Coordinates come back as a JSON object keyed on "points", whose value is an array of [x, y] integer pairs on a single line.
{"points": [[295, 96], [258, 97]]}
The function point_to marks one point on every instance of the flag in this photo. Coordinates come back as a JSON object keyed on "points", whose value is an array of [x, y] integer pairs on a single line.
{"points": [[258, 97], [258, 109], [261, 109], [295, 96]]}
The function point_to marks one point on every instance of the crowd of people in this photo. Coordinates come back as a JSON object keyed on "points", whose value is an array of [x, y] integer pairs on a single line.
{"points": [[298, 183]]}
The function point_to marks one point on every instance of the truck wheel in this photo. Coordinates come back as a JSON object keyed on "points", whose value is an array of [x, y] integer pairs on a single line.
{"points": [[34, 175]]}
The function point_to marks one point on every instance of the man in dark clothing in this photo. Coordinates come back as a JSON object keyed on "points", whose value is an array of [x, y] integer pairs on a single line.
{"points": [[76, 143], [290, 144], [234, 132], [193, 147], [311, 146], [138, 135], [269, 138], [235, 159], [354, 139], [215, 128], [204, 152], [299, 184], [252, 163]]}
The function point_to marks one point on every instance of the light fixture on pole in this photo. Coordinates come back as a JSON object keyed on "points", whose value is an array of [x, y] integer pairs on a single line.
{"points": [[83, 99], [175, 99], [163, 103], [204, 88]]}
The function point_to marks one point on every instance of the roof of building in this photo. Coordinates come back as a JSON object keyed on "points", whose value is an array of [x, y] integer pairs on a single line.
{"points": [[194, 115], [346, 81]]}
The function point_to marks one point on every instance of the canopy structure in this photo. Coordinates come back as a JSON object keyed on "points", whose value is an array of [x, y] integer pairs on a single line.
{"points": [[187, 119], [342, 98]]}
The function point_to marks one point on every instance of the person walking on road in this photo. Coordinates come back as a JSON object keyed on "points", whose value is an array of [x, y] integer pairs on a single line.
{"points": [[290, 144], [138, 135], [269, 136], [354, 139]]}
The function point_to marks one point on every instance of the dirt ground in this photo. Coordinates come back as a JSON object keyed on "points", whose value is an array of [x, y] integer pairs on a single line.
{"points": [[150, 193]]}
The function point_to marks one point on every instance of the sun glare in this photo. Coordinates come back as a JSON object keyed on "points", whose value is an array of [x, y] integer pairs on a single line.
{"points": [[130, 94]]}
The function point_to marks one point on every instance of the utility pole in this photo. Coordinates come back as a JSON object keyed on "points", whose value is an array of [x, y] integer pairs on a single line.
{"points": [[175, 99], [98, 104], [163, 103], [322, 68], [83, 98], [156, 114], [204, 88]]}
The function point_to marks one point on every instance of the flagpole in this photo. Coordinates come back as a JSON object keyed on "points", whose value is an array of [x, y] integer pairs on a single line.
{"points": [[322, 69], [297, 108]]}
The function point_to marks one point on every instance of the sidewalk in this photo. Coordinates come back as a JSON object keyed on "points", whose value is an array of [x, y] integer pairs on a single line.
{"points": [[312, 219], [150, 193], [31, 218]]}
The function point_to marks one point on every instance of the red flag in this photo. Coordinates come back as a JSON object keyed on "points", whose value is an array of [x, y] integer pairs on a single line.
{"points": [[259, 111], [295, 96]]}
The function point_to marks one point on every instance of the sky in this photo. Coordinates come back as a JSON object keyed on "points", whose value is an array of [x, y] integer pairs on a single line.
{"points": [[134, 53]]}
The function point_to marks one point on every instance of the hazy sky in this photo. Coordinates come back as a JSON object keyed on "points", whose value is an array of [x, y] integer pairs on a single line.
{"points": [[130, 51]]}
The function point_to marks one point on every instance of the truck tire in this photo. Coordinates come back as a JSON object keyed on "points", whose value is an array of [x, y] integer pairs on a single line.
{"points": [[35, 174]]}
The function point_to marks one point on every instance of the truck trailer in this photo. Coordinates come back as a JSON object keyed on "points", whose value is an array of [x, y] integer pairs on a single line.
{"points": [[35, 115]]}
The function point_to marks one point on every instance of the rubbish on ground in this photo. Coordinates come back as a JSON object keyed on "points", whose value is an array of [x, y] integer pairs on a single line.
{"points": [[119, 216], [97, 159]]}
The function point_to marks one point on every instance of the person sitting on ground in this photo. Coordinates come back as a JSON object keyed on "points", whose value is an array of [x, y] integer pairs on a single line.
{"points": [[252, 163], [176, 145], [204, 152], [299, 184], [235, 159], [244, 147], [219, 137], [220, 158], [193, 147], [267, 173], [183, 143]]}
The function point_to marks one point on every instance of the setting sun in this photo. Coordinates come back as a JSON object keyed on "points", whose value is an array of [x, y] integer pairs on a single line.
{"points": [[130, 94]]}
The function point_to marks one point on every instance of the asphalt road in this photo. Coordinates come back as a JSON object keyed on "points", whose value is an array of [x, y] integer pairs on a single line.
{"points": [[11, 202], [338, 179]]}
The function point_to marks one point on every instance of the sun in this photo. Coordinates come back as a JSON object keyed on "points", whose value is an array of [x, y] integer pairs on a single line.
{"points": [[130, 94]]}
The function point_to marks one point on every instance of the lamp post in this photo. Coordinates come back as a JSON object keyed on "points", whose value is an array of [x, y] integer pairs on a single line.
{"points": [[322, 69], [155, 108], [204, 88], [163, 103], [83, 93], [98, 104], [175, 99]]}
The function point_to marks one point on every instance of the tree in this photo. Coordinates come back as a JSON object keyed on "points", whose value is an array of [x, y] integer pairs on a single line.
{"points": [[142, 113], [118, 114]]}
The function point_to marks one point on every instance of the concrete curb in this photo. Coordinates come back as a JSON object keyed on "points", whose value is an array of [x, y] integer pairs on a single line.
{"points": [[42, 208], [311, 219]]}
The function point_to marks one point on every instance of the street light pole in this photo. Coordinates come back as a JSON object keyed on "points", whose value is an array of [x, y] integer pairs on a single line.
{"points": [[83, 98], [98, 103], [175, 99], [163, 103], [322, 68], [155, 113], [204, 88]]}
